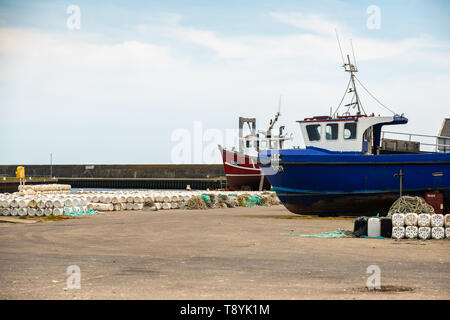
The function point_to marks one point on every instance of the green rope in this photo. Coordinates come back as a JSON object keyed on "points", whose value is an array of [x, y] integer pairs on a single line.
{"points": [[333, 234]]}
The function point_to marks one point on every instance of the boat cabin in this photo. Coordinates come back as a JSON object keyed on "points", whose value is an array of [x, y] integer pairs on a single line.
{"points": [[358, 133]]}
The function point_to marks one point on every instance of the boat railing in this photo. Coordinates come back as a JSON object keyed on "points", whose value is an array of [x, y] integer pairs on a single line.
{"points": [[429, 143]]}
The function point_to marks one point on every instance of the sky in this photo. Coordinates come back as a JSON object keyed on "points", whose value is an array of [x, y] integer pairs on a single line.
{"points": [[142, 82]]}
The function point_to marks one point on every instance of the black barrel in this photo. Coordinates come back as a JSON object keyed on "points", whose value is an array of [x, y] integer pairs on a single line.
{"points": [[360, 227], [386, 227]]}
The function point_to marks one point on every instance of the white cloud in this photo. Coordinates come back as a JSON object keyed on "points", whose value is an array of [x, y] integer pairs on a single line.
{"points": [[311, 22]]}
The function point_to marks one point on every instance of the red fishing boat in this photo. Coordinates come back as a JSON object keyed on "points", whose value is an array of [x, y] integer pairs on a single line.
{"points": [[241, 166]]}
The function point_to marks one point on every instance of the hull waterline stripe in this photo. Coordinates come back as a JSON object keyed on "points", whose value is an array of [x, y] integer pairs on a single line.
{"points": [[244, 175], [240, 167], [284, 163], [299, 192]]}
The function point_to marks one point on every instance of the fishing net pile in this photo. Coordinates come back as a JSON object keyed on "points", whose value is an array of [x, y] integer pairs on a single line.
{"points": [[407, 204]]}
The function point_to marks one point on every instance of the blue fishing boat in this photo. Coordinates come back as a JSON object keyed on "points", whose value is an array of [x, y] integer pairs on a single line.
{"points": [[346, 167]]}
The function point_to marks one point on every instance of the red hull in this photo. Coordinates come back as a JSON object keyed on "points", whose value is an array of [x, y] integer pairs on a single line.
{"points": [[243, 172]]}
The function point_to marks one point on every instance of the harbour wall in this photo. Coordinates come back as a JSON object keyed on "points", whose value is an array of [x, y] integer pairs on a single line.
{"points": [[200, 171]]}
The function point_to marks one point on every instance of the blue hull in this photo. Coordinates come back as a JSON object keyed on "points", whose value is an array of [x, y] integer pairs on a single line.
{"points": [[321, 182]]}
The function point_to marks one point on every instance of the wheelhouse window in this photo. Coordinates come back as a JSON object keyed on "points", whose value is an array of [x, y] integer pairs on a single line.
{"points": [[313, 131], [350, 131], [331, 131]]}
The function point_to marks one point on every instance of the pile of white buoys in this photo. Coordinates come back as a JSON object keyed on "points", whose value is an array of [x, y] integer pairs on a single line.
{"points": [[423, 226], [45, 200]]}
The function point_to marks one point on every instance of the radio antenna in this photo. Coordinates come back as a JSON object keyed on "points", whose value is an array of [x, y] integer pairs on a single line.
{"points": [[339, 43], [353, 51]]}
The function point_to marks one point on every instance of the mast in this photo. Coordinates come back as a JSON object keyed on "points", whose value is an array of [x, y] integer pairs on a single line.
{"points": [[349, 67]]}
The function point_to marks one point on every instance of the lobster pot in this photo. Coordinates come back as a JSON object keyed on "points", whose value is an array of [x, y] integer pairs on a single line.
{"points": [[14, 211], [447, 220], [5, 211], [94, 198], [398, 219], [22, 203], [360, 226], [117, 207], [41, 204], [411, 232], [398, 232], [437, 233], [76, 202], [138, 206], [148, 198], [437, 220], [122, 199], [31, 212], [174, 205], [166, 205], [58, 211], [174, 198], [107, 199], [447, 233], [67, 211], [48, 211], [158, 205], [386, 227], [373, 227], [101, 206], [138, 199], [68, 202], [6, 203], [39, 212], [411, 219], [424, 233], [166, 199], [130, 199], [129, 206], [114, 200], [58, 204], [424, 220], [14, 203], [48, 204], [158, 198]]}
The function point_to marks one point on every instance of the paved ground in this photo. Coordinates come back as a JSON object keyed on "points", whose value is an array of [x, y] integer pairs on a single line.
{"points": [[213, 254]]}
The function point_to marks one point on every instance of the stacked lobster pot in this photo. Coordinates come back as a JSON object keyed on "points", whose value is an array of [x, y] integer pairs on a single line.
{"points": [[41, 205], [420, 226], [151, 200], [45, 200]]}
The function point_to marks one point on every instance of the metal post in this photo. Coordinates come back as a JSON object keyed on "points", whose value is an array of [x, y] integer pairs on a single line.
{"points": [[400, 175], [51, 165]]}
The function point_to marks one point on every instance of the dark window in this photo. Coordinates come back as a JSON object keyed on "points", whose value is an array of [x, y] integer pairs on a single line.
{"points": [[350, 130], [331, 131], [313, 131]]}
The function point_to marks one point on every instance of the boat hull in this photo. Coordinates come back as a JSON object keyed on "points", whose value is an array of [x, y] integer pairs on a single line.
{"points": [[317, 182], [242, 172]]}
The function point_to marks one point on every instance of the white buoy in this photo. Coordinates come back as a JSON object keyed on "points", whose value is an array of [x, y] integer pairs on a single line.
{"points": [[437, 220], [424, 220], [398, 232], [437, 233], [424, 233], [411, 219], [398, 220], [411, 232]]}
